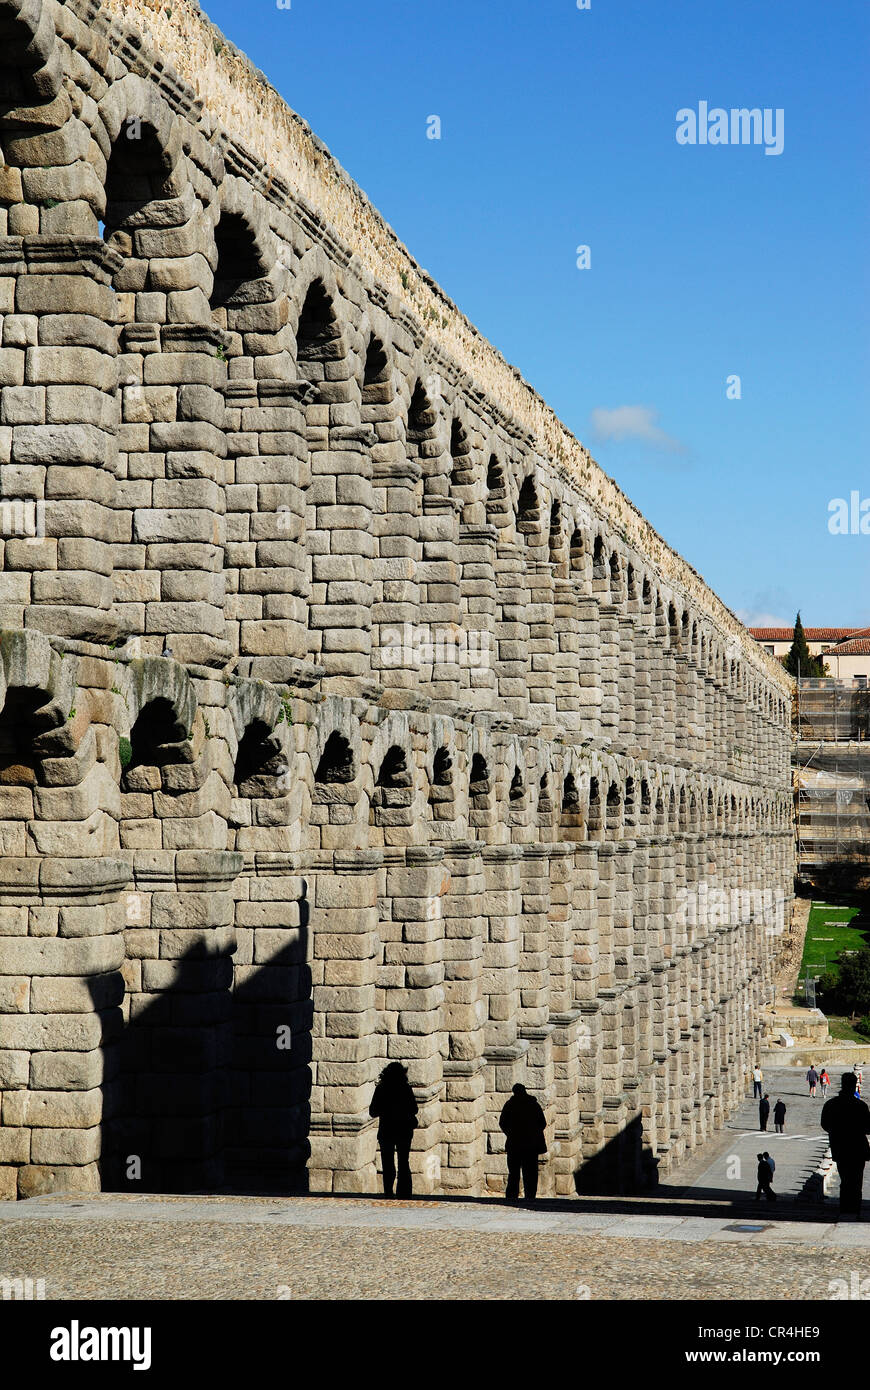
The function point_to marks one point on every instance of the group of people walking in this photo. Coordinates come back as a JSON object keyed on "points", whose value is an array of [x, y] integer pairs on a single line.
{"points": [[814, 1079], [818, 1078], [845, 1118]]}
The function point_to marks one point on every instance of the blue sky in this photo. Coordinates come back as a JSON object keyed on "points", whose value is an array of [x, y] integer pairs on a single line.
{"points": [[558, 129]]}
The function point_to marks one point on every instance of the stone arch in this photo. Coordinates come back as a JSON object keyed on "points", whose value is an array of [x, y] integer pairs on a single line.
{"points": [[614, 810], [442, 791], [37, 699], [316, 272], [259, 741], [516, 785], [248, 237], [422, 440], [319, 333], [240, 271], [595, 810], [557, 548], [645, 810], [600, 575], [545, 806], [631, 593], [615, 578], [528, 522], [572, 820], [578, 551], [462, 463], [481, 790], [497, 493], [629, 802], [335, 747], [392, 796], [144, 155], [153, 678], [32, 65]]}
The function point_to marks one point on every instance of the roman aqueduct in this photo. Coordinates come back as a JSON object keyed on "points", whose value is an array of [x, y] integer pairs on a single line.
{"points": [[349, 711]]}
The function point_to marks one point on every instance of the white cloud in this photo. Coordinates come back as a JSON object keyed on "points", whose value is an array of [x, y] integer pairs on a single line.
{"points": [[755, 617], [634, 422]]}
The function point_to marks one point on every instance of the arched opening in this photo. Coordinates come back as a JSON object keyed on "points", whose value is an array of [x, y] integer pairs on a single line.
{"points": [[594, 808], [572, 812], [554, 538], [420, 437], [336, 761], [259, 763], [599, 564], [136, 175], [441, 785], [318, 335], [442, 768], [614, 799], [497, 513], [479, 785], [578, 550], [461, 474], [376, 375], [517, 791], [528, 509], [155, 742], [19, 726], [615, 579], [545, 801], [393, 771], [237, 261], [629, 801], [393, 791]]}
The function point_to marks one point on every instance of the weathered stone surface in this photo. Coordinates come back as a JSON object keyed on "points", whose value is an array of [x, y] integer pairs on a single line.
{"points": [[349, 713]]}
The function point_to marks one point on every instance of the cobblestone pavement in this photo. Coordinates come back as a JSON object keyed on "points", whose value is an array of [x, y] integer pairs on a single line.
{"points": [[360, 1248], [701, 1237]]}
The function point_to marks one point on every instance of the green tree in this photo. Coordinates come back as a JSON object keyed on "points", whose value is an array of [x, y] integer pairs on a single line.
{"points": [[799, 662], [853, 989]]}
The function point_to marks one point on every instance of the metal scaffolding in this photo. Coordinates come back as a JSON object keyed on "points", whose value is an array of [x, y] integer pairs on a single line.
{"points": [[831, 763]]}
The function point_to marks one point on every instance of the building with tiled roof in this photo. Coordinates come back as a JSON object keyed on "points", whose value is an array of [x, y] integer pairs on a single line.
{"points": [[846, 650]]}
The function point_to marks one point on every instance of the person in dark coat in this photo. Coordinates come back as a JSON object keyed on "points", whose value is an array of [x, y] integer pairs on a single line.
{"points": [[394, 1106], [765, 1178], [847, 1121], [763, 1111], [523, 1122], [779, 1116]]}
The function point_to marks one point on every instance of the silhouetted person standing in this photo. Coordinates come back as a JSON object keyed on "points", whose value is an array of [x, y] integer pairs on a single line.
{"points": [[763, 1111], [523, 1122], [394, 1106], [779, 1116], [847, 1121], [765, 1178]]}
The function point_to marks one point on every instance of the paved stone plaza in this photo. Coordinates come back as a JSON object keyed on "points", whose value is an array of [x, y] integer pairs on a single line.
{"points": [[349, 713]]}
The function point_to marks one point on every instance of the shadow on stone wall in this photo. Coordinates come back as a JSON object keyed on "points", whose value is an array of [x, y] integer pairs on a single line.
{"points": [[208, 1086], [623, 1167]]}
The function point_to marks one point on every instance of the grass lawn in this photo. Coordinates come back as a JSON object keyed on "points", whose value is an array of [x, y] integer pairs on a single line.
{"points": [[828, 931], [841, 1030]]}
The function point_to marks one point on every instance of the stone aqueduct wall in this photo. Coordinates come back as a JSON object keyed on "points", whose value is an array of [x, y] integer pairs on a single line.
{"points": [[257, 836]]}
